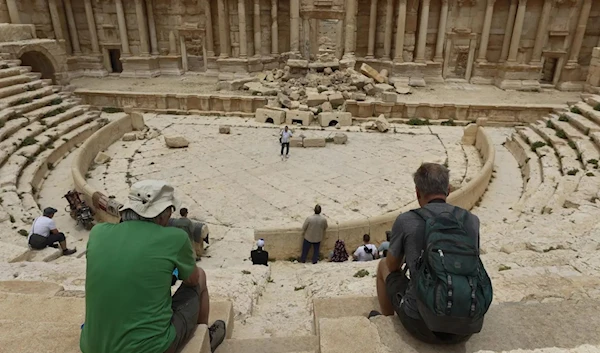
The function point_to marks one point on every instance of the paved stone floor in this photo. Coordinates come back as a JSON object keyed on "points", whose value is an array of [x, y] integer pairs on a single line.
{"points": [[240, 180]]}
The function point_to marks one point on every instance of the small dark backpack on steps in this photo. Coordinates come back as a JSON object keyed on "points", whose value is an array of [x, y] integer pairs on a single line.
{"points": [[453, 289]]}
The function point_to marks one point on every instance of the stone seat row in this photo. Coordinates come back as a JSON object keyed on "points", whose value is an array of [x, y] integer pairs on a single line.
{"points": [[554, 154]]}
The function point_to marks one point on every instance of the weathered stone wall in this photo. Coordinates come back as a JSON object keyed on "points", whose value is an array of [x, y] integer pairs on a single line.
{"points": [[593, 78]]}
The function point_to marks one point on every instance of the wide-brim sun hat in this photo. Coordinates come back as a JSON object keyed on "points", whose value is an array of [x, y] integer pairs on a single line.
{"points": [[149, 198]]}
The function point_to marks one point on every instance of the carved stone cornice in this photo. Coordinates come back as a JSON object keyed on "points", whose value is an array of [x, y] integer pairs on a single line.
{"points": [[561, 2], [467, 2]]}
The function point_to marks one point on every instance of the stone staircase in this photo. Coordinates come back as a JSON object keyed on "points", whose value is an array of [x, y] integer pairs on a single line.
{"points": [[39, 125], [558, 156], [42, 317]]}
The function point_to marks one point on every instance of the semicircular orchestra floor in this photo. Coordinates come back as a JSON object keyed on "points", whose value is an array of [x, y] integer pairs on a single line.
{"points": [[240, 179]]}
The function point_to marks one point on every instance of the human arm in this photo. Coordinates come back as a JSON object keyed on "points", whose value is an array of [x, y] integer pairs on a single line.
{"points": [[52, 226], [185, 260], [395, 254], [193, 279], [305, 226]]}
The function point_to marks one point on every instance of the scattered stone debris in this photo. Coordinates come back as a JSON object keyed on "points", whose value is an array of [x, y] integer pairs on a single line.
{"points": [[340, 138], [176, 141], [382, 123], [130, 136], [224, 129], [101, 158]]}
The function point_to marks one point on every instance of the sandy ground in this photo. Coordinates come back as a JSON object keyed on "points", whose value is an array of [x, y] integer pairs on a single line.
{"points": [[434, 93]]}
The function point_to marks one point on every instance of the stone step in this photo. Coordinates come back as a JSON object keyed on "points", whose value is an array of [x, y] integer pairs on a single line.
{"points": [[566, 186], [593, 100], [531, 168], [37, 103], [548, 134], [57, 119], [589, 112], [11, 80], [39, 113], [24, 97], [20, 88], [55, 338], [14, 142], [30, 287], [582, 123], [571, 132], [507, 327], [48, 309], [270, 345], [589, 152], [11, 126], [9, 71]]}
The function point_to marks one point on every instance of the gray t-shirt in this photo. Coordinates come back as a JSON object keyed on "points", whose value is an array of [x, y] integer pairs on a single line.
{"points": [[408, 233]]}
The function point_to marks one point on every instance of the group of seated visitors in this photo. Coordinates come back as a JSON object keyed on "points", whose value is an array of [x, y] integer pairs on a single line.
{"points": [[130, 264]]}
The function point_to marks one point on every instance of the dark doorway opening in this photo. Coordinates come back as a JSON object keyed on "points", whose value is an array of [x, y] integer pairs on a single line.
{"points": [[333, 123], [548, 70], [296, 121], [269, 120], [115, 60], [39, 63]]}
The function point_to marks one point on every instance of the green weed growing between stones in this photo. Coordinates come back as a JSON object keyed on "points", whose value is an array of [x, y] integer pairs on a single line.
{"points": [[575, 110], [536, 145], [361, 273], [417, 121]]}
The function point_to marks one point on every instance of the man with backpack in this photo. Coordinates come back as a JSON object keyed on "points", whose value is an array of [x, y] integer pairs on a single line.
{"points": [[432, 276]]}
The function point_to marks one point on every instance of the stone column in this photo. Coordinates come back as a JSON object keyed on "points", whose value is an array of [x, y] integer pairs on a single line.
{"points": [[152, 29], [541, 34], [510, 22], [184, 58], [242, 28], [274, 29], [516, 37], [485, 33], [400, 28], [122, 27], [420, 57], [350, 38], [439, 44], [339, 39], [389, 19], [56, 25], [294, 26], [89, 14], [224, 46], [142, 28], [257, 39], [580, 32], [72, 28], [13, 12], [372, 28]]}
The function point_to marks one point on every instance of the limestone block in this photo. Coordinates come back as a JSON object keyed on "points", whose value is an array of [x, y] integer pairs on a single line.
{"points": [[303, 107], [417, 82], [137, 121], [336, 99], [101, 158], [482, 121], [314, 142], [342, 118], [296, 142], [225, 129], [312, 100], [284, 100], [295, 105], [383, 87], [322, 88], [295, 96], [382, 123], [469, 135], [304, 117], [263, 115], [334, 337], [358, 96], [199, 342], [326, 107], [384, 73], [372, 73], [340, 138], [390, 97], [130, 136], [258, 89], [176, 141], [370, 89], [402, 88]]}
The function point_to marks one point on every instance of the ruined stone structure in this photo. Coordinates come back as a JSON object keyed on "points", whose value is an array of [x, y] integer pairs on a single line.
{"points": [[518, 44]]}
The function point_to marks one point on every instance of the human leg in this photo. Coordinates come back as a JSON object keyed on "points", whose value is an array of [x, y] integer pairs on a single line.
{"points": [[62, 241], [282, 146], [385, 303], [316, 247], [305, 248], [287, 148]]}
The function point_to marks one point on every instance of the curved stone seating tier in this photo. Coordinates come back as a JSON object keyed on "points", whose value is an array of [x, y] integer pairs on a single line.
{"points": [[474, 163], [531, 169], [286, 242]]}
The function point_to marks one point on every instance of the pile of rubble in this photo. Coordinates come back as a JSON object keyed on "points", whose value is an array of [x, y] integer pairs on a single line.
{"points": [[319, 92]]}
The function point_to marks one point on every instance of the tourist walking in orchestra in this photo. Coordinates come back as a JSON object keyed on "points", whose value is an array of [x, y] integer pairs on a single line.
{"points": [[284, 139]]}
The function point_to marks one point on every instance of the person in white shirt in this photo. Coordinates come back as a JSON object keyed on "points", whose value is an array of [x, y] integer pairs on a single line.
{"points": [[366, 252], [43, 233], [286, 134]]}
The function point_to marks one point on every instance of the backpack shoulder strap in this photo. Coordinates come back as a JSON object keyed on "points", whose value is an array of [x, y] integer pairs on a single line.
{"points": [[424, 213]]}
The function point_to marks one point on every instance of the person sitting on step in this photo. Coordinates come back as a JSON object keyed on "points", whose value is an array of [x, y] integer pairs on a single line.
{"points": [[367, 251], [189, 227], [259, 256], [383, 248], [44, 234], [130, 267]]}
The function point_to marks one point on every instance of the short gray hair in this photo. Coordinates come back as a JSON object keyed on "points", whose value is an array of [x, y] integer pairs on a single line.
{"points": [[432, 179], [130, 215]]}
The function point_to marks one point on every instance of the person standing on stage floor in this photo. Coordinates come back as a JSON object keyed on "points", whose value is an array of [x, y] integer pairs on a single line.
{"points": [[43, 233], [313, 232], [285, 137]]}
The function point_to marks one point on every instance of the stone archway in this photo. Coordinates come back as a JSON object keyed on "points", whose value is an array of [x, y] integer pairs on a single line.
{"points": [[39, 62]]}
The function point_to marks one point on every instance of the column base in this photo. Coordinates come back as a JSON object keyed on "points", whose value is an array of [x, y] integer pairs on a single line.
{"points": [[484, 73], [348, 61], [571, 78], [240, 65], [138, 66], [170, 65], [87, 65], [418, 73], [518, 77]]}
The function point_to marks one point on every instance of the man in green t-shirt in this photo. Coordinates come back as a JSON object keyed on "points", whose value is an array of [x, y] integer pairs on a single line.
{"points": [[129, 308]]}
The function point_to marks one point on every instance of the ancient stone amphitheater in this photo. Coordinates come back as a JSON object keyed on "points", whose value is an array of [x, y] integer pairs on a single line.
{"points": [[74, 114]]}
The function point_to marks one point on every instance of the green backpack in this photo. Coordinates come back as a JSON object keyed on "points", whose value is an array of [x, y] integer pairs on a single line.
{"points": [[453, 289]]}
